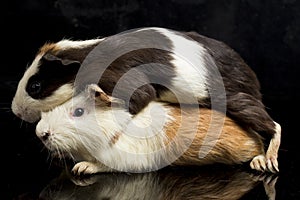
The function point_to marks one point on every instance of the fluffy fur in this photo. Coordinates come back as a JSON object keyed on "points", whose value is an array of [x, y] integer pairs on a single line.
{"points": [[106, 137]]}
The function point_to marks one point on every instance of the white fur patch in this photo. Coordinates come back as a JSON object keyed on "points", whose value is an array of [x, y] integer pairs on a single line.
{"points": [[189, 84], [139, 147], [66, 44], [23, 105], [141, 144]]}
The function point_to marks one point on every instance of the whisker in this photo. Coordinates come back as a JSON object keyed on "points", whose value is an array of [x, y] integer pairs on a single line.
{"points": [[8, 108], [50, 159], [21, 124], [71, 158], [64, 161], [45, 149], [15, 117], [42, 149], [60, 155]]}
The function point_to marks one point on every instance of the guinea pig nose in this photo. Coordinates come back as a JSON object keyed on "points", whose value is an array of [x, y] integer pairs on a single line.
{"points": [[45, 136]]}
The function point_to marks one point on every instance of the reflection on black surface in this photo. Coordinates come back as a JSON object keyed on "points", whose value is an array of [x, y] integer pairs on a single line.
{"points": [[188, 183]]}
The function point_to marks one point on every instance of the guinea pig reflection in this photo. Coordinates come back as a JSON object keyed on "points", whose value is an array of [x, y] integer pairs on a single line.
{"points": [[160, 185]]}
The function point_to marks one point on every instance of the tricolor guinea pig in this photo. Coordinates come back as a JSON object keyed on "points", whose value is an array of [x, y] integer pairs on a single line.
{"points": [[145, 65], [98, 132]]}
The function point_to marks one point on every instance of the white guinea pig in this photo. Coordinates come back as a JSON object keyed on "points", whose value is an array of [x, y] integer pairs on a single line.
{"points": [[98, 132], [145, 65]]}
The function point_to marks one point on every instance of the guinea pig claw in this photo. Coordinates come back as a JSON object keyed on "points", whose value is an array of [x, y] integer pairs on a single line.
{"points": [[272, 165], [79, 168], [258, 163], [85, 168]]}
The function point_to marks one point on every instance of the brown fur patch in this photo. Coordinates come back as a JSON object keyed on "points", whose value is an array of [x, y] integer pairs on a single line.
{"points": [[234, 145], [114, 139], [49, 48]]}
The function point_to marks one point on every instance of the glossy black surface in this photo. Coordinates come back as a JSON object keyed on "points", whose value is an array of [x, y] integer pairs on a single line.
{"points": [[265, 33]]}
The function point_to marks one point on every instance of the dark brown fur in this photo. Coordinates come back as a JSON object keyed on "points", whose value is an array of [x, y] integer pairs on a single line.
{"points": [[243, 96]]}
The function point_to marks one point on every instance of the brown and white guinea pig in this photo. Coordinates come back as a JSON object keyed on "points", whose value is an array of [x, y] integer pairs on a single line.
{"points": [[98, 132], [148, 64]]}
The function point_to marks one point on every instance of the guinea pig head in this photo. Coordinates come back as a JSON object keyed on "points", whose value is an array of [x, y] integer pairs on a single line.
{"points": [[48, 82], [83, 125]]}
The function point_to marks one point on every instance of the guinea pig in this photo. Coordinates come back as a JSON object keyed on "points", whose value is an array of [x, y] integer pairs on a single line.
{"points": [[145, 65], [98, 132]]}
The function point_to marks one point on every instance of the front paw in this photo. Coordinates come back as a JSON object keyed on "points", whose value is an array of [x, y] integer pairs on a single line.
{"points": [[259, 163], [85, 168]]}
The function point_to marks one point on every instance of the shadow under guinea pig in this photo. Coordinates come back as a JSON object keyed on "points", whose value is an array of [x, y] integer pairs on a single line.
{"points": [[170, 183]]}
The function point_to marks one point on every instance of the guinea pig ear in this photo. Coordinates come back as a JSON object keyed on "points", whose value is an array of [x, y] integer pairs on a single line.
{"points": [[48, 57], [95, 92], [101, 98]]}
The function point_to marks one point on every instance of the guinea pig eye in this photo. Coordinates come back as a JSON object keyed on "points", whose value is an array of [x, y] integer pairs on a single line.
{"points": [[78, 112], [35, 87]]}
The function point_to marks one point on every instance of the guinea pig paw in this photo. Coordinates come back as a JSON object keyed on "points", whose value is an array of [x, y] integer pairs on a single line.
{"points": [[272, 164], [259, 163], [85, 168]]}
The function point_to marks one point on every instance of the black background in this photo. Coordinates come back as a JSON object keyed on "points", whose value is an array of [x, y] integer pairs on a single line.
{"points": [[266, 33]]}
